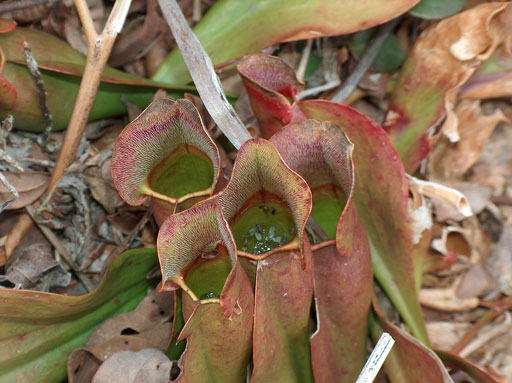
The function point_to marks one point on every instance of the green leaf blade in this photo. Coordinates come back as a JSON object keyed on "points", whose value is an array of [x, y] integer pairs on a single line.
{"points": [[234, 28], [39, 330], [437, 9]]}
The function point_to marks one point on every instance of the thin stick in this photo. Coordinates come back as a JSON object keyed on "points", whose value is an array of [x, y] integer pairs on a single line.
{"points": [[301, 69], [11, 161], [196, 11], [34, 71], [201, 69], [316, 230], [131, 236], [98, 51], [22, 4], [364, 62], [496, 310]]}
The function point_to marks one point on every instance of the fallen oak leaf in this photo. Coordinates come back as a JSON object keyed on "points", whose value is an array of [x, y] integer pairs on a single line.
{"points": [[451, 160], [146, 366], [148, 326], [38, 330], [30, 186]]}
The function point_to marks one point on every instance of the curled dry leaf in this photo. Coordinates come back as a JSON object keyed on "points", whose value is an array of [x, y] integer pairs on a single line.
{"points": [[145, 366], [449, 160], [499, 263], [442, 60], [445, 335], [446, 300], [82, 365], [148, 326], [30, 186], [441, 193], [453, 239]]}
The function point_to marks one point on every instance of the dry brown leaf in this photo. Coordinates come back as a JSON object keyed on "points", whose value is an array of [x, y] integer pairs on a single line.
{"points": [[136, 40], [444, 335], [452, 160], [30, 186], [29, 263], [102, 187], [499, 263], [477, 32], [145, 366], [446, 300], [148, 326], [155, 56], [442, 193], [82, 365], [453, 239], [476, 282], [444, 57], [493, 80], [478, 196]]}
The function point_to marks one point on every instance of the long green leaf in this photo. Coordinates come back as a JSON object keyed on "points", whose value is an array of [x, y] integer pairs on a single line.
{"points": [[61, 68], [234, 28], [39, 330]]}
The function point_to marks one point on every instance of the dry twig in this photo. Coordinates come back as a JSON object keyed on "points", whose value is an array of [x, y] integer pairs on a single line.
{"points": [[99, 47], [364, 62], [301, 69], [34, 71]]}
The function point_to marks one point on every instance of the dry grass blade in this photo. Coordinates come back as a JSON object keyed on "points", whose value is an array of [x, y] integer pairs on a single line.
{"points": [[204, 76], [365, 62]]}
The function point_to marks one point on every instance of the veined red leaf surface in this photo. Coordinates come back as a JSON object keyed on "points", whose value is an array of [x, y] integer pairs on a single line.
{"points": [[381, 197], [165, 153], [342, 271]]}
